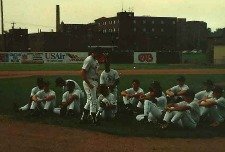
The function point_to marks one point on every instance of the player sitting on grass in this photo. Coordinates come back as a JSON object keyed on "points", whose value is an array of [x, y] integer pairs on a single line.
{"points": [[44, 99], [154, 104], [207, 93], [39, 87], [60, 82], [185, 113], [214, 108], [70, 101], [107, 103], [132, 95], [175, 93]]}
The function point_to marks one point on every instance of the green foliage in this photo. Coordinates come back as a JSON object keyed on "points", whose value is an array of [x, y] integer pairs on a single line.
{"points": [[18, 90]]}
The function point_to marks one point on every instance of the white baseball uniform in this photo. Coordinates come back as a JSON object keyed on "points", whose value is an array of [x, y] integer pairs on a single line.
{"points": [[153, 110], [132, 100], [178, 88], [110, 99], [42, 95], [77, 87], [33, 92], [184, 118], [91, 67], [109, 79], [204, 94], [141, 105], [216, 112], [74, 105]]}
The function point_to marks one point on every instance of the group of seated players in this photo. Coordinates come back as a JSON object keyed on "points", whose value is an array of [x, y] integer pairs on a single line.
{"points": [[179, 105]]}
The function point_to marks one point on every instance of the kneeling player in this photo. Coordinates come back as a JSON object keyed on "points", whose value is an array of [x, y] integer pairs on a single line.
{"points": [[107, 103], [70, 101], [44, 99]]}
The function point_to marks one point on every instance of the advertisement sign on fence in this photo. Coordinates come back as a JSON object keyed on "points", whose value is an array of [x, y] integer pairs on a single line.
{"points": [[144, 57], [4, 57]]}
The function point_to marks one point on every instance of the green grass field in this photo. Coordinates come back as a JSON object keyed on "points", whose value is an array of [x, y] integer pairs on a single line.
{"points": [[18, 90], [71, 67]]}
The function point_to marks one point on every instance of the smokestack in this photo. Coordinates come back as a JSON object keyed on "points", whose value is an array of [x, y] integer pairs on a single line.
{"points": [[57, 18]]}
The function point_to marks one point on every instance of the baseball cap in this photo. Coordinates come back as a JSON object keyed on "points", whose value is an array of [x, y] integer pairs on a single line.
{"points": [[181, 78], [58, 81], [218, 89], [208, 83]]}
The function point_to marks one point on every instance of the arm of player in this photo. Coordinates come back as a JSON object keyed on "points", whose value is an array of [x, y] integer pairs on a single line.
{"points": [[84, 77], [180, 93], [169, 92], [208, 103], [124, 94], [70, 100], [49, 98], [179, 108]]}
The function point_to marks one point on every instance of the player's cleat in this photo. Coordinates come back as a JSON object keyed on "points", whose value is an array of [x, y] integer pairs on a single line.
{"points": [[214, 124]]}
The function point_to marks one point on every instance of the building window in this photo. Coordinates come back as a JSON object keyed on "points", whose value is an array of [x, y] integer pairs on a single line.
{"points": [[134, 21], [118, 21], [114, 22], [162, 30], [114, 29], [162, 22], [153, 22], [174, 22], [99, 24], [144, 21], [153, 30], [135, 29], [144, 29]]}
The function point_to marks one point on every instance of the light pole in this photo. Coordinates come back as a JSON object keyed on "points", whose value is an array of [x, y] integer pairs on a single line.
{"points": [[3, 36]]}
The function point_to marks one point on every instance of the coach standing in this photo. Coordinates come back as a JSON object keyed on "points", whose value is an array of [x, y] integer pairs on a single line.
{"points": [[90, 82]]}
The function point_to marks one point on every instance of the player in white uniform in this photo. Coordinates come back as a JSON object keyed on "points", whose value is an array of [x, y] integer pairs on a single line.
{"points": [[207, 93], [185, 113], [60, 82], [107, 103], [39, 87], [154, 104], [70, 101], [175, 93], [110, 77], [214, 108], [132, 96], [43, 99], [90, 82]]}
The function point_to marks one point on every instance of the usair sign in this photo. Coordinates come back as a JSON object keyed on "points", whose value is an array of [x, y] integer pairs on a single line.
{"points": [[144, 57]]}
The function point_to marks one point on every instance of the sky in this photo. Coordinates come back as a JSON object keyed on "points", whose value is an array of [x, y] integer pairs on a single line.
{"points": [[40, 14]]}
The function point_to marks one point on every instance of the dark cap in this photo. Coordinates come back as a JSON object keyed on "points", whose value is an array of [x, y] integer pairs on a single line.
{"points": [[181, 78], [59, 80], [208, 83], [218, 89]]}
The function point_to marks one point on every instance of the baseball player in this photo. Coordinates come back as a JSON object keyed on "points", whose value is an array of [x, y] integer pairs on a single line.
{"points": [[110, 77], [185, 113], [132, 95], [39, 87], [90, 82], [207, 93], [60, 82], [175, 93], [214, 108], [70, 101], [107, 103], [154, 104], [43, 99]]}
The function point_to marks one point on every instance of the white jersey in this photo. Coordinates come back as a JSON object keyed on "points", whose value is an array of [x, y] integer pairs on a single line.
{"points": [[67, 95], [77, 87], [204, 94], [195, 110], [91, 66], [34, 91], [42, 94], [148, 93], [109, 78], [161, 102], [110, 98], [221, 106], [132, 91], [178, 88]]}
